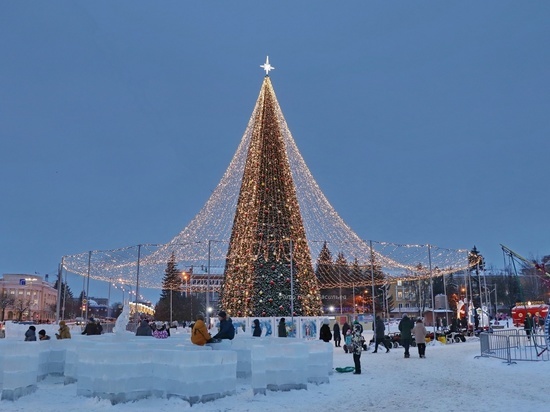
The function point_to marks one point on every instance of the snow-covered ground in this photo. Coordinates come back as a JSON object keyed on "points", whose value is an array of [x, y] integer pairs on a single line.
{"points": [[449, 379]]}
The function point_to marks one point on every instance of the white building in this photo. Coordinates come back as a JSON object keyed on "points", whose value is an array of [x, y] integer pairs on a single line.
{"points": [[27, 297]]}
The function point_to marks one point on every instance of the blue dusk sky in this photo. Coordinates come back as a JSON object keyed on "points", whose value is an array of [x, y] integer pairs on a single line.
{"points": [[422, 122]]}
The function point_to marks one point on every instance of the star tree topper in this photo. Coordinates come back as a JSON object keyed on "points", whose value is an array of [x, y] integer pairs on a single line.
{"points": [[266, 66]]}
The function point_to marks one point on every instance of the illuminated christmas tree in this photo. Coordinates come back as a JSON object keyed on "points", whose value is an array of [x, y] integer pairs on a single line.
{"points": [[268, 268]]}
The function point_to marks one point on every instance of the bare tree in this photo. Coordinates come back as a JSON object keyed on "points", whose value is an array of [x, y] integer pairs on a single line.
{"points": [[21, 306], [6, 300]]}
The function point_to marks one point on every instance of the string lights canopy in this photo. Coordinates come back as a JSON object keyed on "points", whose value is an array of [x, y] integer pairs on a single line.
{"points": [[269, 184]]}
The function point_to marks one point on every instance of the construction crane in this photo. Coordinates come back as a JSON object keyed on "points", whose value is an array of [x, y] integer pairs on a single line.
{"points": [[539, 267]]}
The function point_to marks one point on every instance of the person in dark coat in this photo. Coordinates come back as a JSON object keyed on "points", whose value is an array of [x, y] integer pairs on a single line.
{"points": [[282, 328], [379, 329], [324, 332], [405, 327], [30, 334], [91, 328], [42, 335], [357, 343], [227, 330], [336, 335], [345, 329], [256, 328], [144, 329]]}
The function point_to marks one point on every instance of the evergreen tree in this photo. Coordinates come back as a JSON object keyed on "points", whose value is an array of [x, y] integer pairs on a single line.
{"points": [[268, 270], [476, 267], [66, 297], [170, 296], [325, 274], [341, 274], [324, 268], [375, 275]]}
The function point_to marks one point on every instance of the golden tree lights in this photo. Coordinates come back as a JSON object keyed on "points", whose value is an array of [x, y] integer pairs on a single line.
{"points": [[268, 232]]}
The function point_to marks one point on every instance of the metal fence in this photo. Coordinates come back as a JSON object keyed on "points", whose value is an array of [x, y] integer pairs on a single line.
{"points": [[512, 345]]}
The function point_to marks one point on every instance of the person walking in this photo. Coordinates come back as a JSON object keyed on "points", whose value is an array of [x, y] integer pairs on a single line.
{"points": [[379, 329], [420, 333], [336, 335], [406, 325]]}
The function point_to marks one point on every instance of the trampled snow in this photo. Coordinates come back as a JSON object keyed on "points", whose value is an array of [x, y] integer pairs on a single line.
{"points": [[451, 378]]}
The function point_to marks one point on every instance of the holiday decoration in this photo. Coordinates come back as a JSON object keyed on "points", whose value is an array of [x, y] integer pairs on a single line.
{"points": [[268, 231]]}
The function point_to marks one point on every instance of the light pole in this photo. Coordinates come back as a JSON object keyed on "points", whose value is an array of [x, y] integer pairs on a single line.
{"points": [[109, 299], [171, 306]]}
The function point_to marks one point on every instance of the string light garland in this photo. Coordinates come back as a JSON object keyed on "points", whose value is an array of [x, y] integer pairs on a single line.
{"points": [[267, 177]]}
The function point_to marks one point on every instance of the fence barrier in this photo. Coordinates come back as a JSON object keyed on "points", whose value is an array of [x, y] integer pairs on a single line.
{"points": [[512, 345]]}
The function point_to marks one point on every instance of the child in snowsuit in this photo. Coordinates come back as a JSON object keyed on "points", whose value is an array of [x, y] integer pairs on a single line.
{"points": [[357, 342], [347, 342]]}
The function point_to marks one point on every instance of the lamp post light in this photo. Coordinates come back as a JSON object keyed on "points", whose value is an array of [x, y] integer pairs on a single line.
{"points": [[331, 309], [209, 311], [185, 278]]}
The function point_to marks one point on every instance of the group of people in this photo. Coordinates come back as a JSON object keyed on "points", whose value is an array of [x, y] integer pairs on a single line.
{"points": [[30, 334], [200, 335], [63, 333], [532, 323], [146, 328], [353, 338], [408, 328]]}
